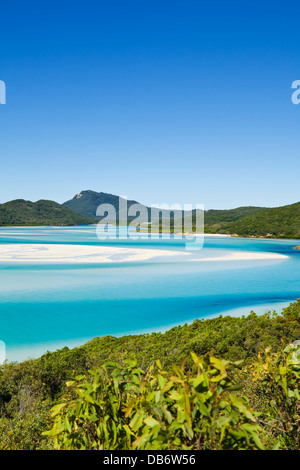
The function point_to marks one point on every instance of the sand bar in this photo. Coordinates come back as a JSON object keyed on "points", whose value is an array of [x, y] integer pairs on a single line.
{"points": [[245, 256], [47, 254], [43, 253]]}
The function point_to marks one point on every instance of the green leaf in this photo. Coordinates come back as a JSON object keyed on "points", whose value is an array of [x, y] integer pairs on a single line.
{"points": [[67, 423], [242, 407], [57, 409], [151, 422], [136, 421]]}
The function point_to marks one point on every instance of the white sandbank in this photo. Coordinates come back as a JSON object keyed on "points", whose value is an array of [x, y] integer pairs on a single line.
{"points": [[245, 255], [77, 253], [205, 235], [54, 254]]}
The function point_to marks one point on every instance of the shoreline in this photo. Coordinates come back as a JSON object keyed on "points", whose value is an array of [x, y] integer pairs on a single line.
{"points": [[24, 352], [206, 234]]}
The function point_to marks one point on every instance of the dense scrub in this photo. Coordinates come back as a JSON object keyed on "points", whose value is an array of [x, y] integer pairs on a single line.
{"points": [[265, 381]]}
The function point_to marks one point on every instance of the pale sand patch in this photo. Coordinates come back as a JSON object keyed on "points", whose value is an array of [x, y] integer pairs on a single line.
{"points": [[39, 253], [78, 253], [205, 235], [244, 256]]}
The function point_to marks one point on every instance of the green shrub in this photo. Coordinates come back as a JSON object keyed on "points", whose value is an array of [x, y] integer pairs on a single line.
{"points": [[276, 381], [120, 407]]}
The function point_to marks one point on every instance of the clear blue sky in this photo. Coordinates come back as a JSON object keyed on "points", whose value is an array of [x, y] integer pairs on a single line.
{"points": [[163, 101]]}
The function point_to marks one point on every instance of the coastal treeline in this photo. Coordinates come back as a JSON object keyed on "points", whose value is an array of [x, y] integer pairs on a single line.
{"points": [[275, 222], [223, 383]]}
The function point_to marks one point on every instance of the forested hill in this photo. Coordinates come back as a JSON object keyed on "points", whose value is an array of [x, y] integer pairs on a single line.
{"points": [[277, 222], [87, 202], [43, 212], [214, 216]]}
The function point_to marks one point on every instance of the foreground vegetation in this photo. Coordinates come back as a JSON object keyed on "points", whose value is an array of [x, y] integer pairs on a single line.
{"points": [[225, 383]]}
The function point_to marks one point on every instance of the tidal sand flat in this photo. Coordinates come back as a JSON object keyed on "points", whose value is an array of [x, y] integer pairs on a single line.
{"points": [[62, 286], [39, 253], [245, 256], [43, 253]]}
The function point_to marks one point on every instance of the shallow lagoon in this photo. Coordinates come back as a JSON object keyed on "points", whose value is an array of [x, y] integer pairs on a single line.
{"points": [[44, 305]]}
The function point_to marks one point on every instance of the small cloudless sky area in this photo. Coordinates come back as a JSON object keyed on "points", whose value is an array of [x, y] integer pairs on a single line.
{"points": [[162, 101]]}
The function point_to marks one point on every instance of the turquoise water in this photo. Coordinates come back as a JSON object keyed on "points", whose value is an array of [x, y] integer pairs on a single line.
{"points": [[43, 307]]}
